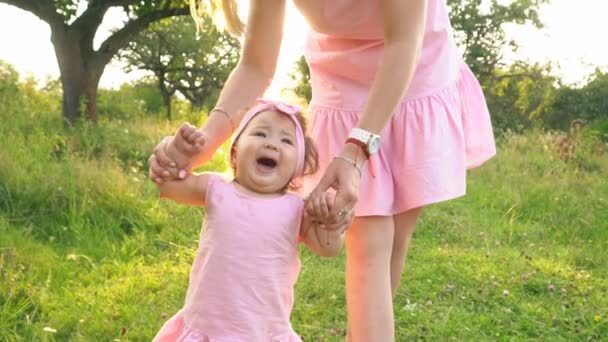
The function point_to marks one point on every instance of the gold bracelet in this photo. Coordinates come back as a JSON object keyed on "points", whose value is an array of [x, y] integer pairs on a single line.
{"points": [[350, 161], [223, 111]]}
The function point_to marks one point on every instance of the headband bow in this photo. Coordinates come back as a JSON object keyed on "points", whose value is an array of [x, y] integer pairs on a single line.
{"points": [[287, 109]]}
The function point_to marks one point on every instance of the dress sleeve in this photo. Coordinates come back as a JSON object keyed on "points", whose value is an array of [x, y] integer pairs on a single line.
{"points": [[299, 204], [214, 182]]}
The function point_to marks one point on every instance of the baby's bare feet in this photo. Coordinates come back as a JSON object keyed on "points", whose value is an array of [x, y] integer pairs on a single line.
{"points": [[186, 145]]}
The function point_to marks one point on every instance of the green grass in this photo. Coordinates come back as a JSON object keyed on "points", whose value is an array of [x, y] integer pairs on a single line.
{"points": [[89, 253]]}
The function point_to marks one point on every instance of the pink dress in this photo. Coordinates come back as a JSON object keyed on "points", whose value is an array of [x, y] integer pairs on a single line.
{"points": [[242, 279], [440, 129]]}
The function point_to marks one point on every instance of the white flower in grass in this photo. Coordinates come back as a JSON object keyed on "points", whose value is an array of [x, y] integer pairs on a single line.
{"points": [[49, 330], [409, 306]]}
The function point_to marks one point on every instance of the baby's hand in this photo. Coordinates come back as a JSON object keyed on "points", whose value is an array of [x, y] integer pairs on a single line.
{"points": [[188, 143], [319, 206]]}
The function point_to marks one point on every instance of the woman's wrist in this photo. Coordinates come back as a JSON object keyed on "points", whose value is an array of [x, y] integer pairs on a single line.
{"points": [[355, 153], [222, 111], [352, 154], [349, 161], [218, 128]]}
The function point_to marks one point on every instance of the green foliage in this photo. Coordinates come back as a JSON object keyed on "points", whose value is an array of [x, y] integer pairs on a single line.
{"points": [[568, 106], [599, 129], [68, 9], [520, 97], [8, 80], [301, 75], [137, 99], [196, 66], [479, 27], [141, 8], [525, 96]]}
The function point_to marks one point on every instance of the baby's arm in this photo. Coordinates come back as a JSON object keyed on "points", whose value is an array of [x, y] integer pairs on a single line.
{"points": [[323, 242], [190, 190]]}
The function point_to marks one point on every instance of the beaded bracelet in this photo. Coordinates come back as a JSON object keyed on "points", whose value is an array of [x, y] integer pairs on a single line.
{"points": [[223, 111], [350, 161]]}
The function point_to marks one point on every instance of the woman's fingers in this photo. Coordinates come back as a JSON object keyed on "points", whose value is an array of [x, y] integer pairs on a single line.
{"points": [[155, 170], [161, 166], [161, 156], [341, 224], [343, 177], [347, 193]]}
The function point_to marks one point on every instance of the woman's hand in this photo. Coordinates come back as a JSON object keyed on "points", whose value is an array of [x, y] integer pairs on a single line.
{"points": [[343, 177], [161, 167], [318, 208], [174, 157]]}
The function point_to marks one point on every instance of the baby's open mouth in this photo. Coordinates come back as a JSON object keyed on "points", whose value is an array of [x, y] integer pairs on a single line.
{"points": [[267, 162]]}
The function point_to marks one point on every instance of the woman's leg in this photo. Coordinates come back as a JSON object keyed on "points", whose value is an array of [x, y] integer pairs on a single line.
{"points": [[404, 228], [369, 241]]}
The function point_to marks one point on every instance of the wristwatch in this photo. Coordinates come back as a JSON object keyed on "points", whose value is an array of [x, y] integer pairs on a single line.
{"points": [[369, 142]]}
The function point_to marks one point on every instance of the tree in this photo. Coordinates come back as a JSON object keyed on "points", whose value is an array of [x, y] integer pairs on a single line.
{"points": [[302, 76], [195, 66], [72, 35], [479, 29], [520, 96], [589, 103]]}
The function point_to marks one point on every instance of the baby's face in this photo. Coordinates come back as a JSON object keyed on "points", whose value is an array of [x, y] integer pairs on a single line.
{"points": [[265, 154]]}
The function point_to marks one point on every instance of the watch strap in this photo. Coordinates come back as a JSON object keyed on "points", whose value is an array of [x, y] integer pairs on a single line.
{"points": [[361, 144]]}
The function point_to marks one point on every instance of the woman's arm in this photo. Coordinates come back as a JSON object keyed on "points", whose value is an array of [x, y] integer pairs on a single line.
{"points": [[404, 23], [253, 73], [247, 82], [191, 190]]}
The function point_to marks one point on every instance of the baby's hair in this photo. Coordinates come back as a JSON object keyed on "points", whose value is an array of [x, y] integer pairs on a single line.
{"points": [[223, 12], [311, 155]]}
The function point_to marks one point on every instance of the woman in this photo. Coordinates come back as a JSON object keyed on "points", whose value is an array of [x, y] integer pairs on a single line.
{"points": [[392, 97]]}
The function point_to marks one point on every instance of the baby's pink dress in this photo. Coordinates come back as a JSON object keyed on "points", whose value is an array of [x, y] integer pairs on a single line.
{"points": [[440, 129], [247, 263]]}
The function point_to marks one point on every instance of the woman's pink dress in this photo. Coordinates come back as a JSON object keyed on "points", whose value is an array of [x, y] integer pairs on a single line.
{"points": [[247, 263], [440, 129]]}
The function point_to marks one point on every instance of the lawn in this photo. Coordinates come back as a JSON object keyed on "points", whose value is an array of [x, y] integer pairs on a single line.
{"points": [[89, 253]]}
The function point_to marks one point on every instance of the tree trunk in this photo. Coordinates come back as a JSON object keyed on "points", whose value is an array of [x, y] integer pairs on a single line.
{"points": [[197, 103], [165, 91], [167, 101], [79, 74], [80, 65]]}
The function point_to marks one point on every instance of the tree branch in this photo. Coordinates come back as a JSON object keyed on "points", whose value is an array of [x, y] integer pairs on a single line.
{"points": [[92, 17], [121, 37]]}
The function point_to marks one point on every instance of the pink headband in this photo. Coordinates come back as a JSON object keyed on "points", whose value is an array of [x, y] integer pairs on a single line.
{"points": [[289, 110]]}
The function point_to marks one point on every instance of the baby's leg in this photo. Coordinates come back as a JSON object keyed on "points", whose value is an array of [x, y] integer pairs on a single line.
{"points": [[186, 145]]}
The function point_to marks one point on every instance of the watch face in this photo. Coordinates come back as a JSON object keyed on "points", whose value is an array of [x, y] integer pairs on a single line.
{"points": [[374, 144]]}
